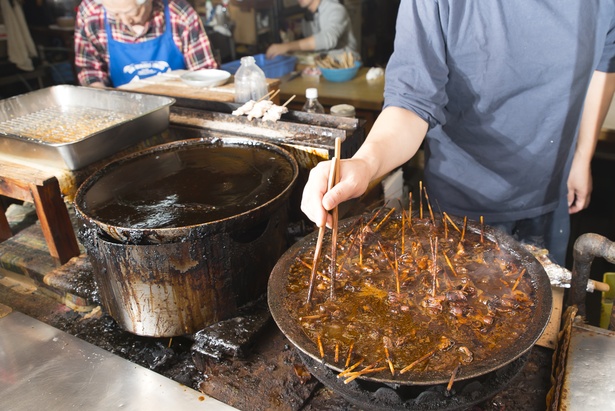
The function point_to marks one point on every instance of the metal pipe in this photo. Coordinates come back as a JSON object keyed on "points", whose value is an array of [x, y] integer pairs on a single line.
{"points": [[586, 247]]}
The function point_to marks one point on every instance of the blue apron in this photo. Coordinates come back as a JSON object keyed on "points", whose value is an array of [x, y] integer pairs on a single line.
{"points": [[145, 59]]}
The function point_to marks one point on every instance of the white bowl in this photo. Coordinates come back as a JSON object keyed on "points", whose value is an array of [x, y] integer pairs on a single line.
{"points": [[206, 77]]}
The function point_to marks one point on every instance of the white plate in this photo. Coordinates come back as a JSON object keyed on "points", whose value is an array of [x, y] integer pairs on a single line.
{"points": [[205, 77]]}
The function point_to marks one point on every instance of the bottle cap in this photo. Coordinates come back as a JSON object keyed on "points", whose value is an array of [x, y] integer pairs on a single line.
{"points": [[343, 110], [311, 93]]}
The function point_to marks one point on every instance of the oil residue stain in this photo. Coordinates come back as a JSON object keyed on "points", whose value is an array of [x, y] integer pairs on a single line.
{"points": [[188, 186]]}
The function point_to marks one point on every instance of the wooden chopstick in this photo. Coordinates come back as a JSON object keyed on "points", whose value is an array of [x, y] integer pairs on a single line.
{"points": [[335, 215], [333, 179]]}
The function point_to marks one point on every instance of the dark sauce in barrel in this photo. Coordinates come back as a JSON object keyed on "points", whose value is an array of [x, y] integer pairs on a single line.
{"points": [[188, 186]]}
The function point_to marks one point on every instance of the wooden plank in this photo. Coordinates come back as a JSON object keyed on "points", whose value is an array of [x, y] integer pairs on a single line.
{"points": [[16, 180], [174, 87]]}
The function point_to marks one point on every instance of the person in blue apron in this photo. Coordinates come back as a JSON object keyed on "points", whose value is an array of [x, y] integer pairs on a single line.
{"points": [[118, 41]]}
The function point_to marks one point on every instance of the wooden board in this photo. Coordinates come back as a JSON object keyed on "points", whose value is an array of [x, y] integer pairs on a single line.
{"points": [[170, 85]]}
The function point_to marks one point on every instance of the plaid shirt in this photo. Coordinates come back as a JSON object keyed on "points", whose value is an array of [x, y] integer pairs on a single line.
{"points": [[91, 54]]}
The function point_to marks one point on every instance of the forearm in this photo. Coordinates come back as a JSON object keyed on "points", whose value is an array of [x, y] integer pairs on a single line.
{"points": [[395, 137], [597, 102], [305, 44]]}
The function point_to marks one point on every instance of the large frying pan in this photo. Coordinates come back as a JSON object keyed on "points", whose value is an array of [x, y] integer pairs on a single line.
{"points": [[289, 324]]}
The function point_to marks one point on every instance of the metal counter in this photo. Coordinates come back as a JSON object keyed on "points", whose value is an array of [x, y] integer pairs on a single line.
{"points": [[588, 381], [42, 367]]}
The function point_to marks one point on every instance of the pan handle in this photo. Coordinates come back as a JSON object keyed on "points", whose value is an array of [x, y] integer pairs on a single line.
{"points": [[586, 247]]}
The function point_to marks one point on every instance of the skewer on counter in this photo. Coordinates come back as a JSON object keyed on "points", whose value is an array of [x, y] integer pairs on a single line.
{"points": [[249, 105], [275, 112]]}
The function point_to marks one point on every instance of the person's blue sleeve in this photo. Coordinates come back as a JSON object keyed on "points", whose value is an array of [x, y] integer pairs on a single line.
{"points": [[417, 72], [607, 62]]}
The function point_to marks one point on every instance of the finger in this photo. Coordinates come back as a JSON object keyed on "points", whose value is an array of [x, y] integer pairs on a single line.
{"points": [[313, 192]]}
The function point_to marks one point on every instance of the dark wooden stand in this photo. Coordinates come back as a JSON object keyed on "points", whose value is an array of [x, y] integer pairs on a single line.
{"points": [[29, 184]]}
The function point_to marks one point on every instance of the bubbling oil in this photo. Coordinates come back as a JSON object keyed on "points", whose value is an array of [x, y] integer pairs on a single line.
{"points": [[416, 297]]}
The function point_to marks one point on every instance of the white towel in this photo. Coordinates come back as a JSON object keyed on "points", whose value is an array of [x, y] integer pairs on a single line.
{"points": [[20, 45]]}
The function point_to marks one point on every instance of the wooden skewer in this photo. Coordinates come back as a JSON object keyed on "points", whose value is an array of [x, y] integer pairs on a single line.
{"points": [[275, 93], [289, 100], [451, 221], [453, 375], [403, 231], [349, 355], [337, 352], [420, 199], [482, 227], [317, 250], [433, 221], [335, 215], [518, 279], [265, 96], [450, 264], [348, 370], [361, 235], [364, 371], [320, 347], [410, 209], [385, 343], [415, 362], [386, 217], [321, 233], [396, 271], [434, 268]]}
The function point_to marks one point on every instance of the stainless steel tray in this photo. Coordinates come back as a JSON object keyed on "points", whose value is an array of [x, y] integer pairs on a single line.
{"points": [[71, 126]]}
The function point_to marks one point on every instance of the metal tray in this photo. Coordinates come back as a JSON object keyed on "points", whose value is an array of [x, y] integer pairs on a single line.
{"points": [[71, 127]]}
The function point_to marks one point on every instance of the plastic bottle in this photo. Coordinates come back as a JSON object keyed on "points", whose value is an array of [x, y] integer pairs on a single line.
{"points": [[312, 105], [250, 81]]}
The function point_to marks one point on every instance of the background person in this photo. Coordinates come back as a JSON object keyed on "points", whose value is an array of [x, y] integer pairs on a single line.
{"points": [[329, 28], [511, 98], [119, 40]]}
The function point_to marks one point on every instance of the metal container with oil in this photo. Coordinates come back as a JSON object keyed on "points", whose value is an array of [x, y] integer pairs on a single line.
{"points": [[184, 234]]}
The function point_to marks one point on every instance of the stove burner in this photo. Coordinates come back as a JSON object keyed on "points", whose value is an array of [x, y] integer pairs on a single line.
{"points": [[369, 395]]}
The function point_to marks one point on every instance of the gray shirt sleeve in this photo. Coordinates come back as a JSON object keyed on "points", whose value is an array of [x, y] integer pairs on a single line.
{"points": [[607, 62], [417, 73]]}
